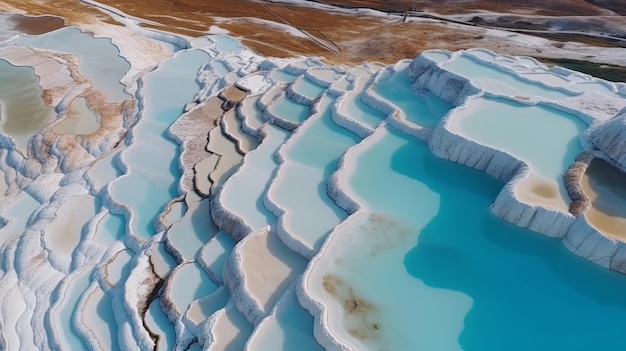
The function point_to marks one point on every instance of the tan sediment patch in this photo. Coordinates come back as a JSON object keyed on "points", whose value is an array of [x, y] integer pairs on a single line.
{"points": [[193, 127], [384, 233], [36, 25], [233, 94], [536, 190], [269, 267], [79, 120], [606, 188], [361, 317], [63, 234]]}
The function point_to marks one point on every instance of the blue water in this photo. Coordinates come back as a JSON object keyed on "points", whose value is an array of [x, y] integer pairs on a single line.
{"points": [[105, 313], [157, 322], [193, 230], [151, 181], [227, 44], [437, 56], [434, 250], [486, 77], [290, 110], [529, 292], [189, 283], [110, 229], [290, 327], [252, 180], [309, 221], [283, 76], [356, 109], [308, 88], [546, 138], [424, 110]]}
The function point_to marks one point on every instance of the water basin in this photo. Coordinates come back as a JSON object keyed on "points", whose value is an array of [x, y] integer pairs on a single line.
{"points": [[92, 53], [356, 109], [423, 109], [545, 138], [289, 110], [605, 185], [309, 221], [79, 120], [477, 282], [252, 180], [307, 88], [497, 81], [23, 110]]}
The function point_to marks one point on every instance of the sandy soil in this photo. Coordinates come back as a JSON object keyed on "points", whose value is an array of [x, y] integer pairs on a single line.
{"points": [[535, 7], [37, 25], [340, 38]]}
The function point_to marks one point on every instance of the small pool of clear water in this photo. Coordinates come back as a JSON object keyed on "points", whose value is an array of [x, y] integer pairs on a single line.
{"points": [[97, 316], [355, 108], [92, 53], [307, 88], [17, 214], [283, 76], [227, 44], [290, 327], [289, 110], [545, 138], [23, 110], [193, 230], [311, 157], [219, 68], [252, 180], [64, 313], [78, 120], [495, 80], [156, 321], [189, 283], [425, 109]]}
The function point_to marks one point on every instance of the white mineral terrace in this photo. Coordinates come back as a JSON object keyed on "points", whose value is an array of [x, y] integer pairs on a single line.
{"points": [[177, 193]]}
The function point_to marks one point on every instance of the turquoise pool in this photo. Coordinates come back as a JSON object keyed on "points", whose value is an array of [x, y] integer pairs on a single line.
{"points": [[418, 280]]}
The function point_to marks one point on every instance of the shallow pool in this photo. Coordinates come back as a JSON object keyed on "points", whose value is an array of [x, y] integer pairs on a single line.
{"points": [[424, 109], [545, 138], [152, 181], [307, 170], [495, 80], [23, 110], [92, 53]]}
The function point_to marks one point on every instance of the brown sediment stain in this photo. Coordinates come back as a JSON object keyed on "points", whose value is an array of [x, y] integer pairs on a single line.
{"points": [[47, 96], [36, 25], [76, 151], [233, 94], [361, 317], [548, 191], [384, 233]]}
